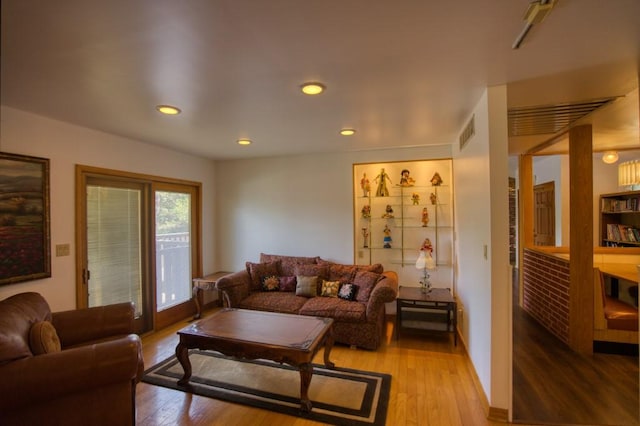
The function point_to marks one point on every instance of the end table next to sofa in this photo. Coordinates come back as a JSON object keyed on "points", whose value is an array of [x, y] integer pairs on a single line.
{"points": [[426, 311], [207, 282]]}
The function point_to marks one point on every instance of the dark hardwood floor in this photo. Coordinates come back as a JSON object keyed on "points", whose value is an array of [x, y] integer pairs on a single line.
{"points": [[554, 385]]}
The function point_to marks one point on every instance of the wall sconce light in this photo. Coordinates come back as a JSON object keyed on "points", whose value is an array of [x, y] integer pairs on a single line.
{"points": [[610, 157]]}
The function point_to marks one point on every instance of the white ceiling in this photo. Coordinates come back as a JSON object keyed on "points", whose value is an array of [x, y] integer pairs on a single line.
{"points": [[403, 73]]}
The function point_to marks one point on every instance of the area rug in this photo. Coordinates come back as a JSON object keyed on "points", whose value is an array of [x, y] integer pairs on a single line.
{"points": [[340, 396]]}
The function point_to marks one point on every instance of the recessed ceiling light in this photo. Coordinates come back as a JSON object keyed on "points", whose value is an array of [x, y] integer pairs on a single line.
{"points": [[244, 142], [610, 157], [347, 132], [312, 88], [168, 109]]}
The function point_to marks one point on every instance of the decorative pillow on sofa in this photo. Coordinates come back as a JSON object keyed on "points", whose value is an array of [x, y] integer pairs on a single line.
{"points": [[365, 282], [330, 288], [258, 271], [43, 338], [342, 273], [376, 268], [270, 283], [347, 291], [306, 286], [288, 283]]}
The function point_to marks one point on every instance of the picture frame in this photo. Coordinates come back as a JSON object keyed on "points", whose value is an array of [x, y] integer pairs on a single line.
{"points": [[25, 240]]}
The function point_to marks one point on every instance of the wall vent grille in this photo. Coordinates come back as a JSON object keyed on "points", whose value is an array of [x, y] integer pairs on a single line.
{"points": [[550, 119], [468, 132]]}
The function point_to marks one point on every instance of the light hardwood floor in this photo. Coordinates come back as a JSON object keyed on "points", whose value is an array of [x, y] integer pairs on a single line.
{"points": [[431, 385]]}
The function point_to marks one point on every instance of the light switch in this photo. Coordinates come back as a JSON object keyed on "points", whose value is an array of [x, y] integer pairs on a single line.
{"points": [[63, 250]]}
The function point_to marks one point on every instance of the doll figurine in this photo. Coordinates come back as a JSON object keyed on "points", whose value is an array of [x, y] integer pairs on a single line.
{"points": [[434, 198], [436, 180], [366, 211], [415, 198], [388, 212], [381, 180], [425, 217], [387, 237], [405, 179], [365, 185]]}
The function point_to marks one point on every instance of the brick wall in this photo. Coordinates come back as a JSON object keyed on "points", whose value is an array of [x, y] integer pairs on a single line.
{"points": [[546, 291]]}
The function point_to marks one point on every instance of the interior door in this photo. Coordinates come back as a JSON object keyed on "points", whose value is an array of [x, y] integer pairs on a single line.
{"points": [[544, 216]]}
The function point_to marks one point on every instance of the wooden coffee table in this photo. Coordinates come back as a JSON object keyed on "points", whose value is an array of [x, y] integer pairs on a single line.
{"points": [[284, 338]]}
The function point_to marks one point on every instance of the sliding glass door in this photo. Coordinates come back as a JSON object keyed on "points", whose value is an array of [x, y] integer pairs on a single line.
{"points": [[138, 241]]}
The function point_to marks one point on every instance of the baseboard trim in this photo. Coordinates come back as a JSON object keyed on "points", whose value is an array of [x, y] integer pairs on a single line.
{"points": [[494, 414]]}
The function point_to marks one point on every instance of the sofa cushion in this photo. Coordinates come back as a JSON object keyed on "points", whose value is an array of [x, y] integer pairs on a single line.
{"points": [[288, 283], [288, 263], [348, 291], [376, 267], [257, 271], [43, 338], [276, 301], [365, 281], [333, 307], [306, 286], [342, 273], [330, 288], [271, 283], [320, 271]]}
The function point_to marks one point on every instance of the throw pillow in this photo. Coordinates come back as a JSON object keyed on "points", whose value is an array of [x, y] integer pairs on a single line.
{"points": [[287, 263], [376, 267], [257, 271], [330, 288], [270, 283], [365, 281], [43, 338], [306, 286], [347, 292], [287, 283]]}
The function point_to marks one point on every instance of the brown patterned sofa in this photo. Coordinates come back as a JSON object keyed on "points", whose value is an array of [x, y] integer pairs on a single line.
{"points": [[358, 322]]}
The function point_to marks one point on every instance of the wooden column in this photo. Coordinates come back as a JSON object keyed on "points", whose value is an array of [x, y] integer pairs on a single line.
{"points": [[525, 220], [581, 239]]}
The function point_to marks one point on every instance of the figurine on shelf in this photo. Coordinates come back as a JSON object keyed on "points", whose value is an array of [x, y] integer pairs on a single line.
{"points": [[387, 237], [434, 198], [366, 211], [436, 180], [365, 235], [425, 217], [388, 212], [426, 246], [415, 198], [365, 185], [405, 179], [381, 180]]}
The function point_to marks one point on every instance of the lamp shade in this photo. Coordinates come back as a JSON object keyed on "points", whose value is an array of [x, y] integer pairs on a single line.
{"points": [[629, 173], [421, 263]]}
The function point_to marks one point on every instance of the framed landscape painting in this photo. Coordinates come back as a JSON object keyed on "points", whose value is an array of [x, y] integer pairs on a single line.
{"points": [[25, 252]]}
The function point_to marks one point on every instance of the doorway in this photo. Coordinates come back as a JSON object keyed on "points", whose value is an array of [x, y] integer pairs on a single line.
{"points": [[544, 214], [138, 241]]}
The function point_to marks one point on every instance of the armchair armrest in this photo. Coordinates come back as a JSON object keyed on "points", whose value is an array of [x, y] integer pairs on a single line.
{"points": [[85, 325], [385, 291], [30, 381], [234, 287]]}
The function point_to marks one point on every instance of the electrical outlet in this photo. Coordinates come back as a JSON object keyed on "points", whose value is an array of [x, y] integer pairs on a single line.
{"points": [[63, 250]]}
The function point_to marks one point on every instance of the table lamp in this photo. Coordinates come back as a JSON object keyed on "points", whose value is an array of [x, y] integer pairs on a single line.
{"points": [[425, 262]]}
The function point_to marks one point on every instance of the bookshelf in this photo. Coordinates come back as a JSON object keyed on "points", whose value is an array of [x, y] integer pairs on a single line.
{"points": [[620, 219]]}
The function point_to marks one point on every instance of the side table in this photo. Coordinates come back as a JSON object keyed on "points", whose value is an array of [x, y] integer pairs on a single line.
{"points": [[438, 299], [208, 282]]}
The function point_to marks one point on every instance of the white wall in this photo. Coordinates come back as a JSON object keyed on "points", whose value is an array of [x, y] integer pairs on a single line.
{"points": [[482, 220], [67, 145], [298, 205]]}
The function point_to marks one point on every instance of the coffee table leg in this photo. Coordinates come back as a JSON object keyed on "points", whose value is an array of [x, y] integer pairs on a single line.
{"points": [[328, 345], [306, 372], [182, 353]]}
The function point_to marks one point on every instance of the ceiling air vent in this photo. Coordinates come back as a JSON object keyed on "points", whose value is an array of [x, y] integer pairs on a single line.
{"points": [[468, 132], [549, 119]]}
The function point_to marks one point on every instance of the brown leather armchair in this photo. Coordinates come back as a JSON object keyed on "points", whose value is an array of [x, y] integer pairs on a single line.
{"points": [[68, 368]]}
